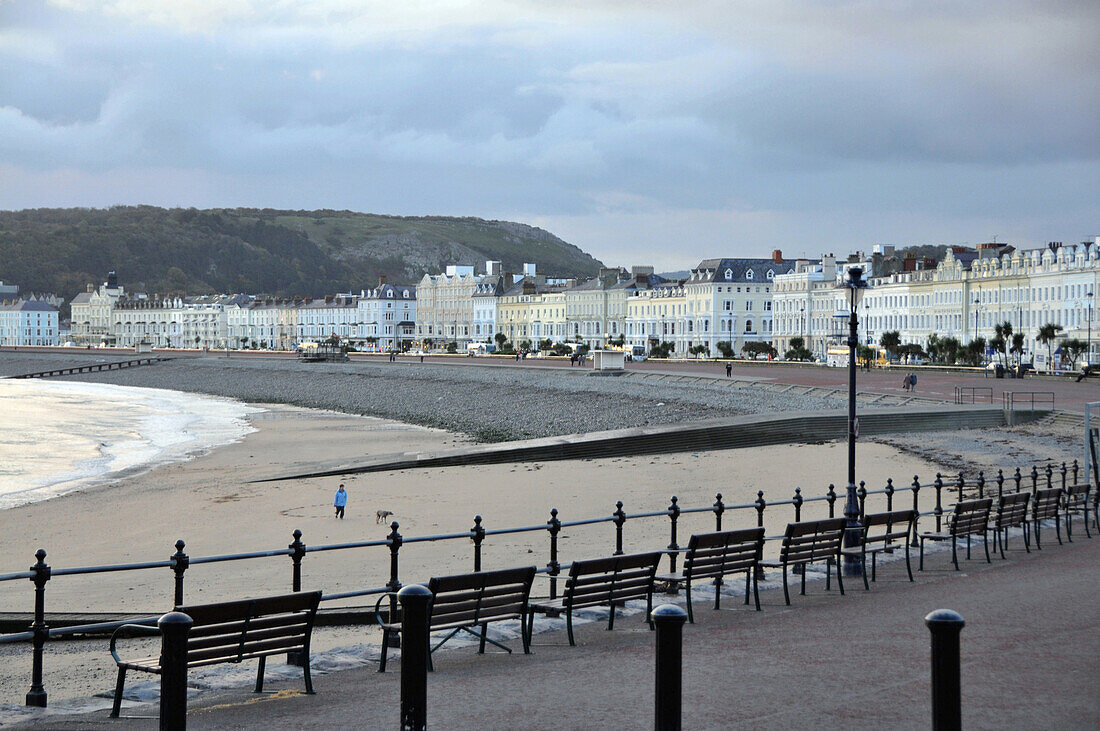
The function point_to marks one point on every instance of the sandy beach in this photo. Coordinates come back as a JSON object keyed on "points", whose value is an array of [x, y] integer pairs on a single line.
{"points": [[210, 504]]}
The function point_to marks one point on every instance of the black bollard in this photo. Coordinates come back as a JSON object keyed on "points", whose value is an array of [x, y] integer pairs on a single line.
{"points": [[945, 626], [174, 627], [669, 620], [415, 646]]}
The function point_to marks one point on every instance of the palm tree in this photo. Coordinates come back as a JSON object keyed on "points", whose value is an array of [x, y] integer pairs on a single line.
{"points": [[890, 341], [1047, 335], [1003, 332], [1018, 346]]}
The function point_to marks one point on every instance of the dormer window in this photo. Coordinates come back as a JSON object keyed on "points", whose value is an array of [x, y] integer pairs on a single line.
{"points": [[729, 274], [749, 274], [771, 274], [390, 294]]}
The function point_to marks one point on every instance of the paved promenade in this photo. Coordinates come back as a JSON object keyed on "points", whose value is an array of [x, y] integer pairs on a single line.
{"points": [[1030, 659], [932, 383]]}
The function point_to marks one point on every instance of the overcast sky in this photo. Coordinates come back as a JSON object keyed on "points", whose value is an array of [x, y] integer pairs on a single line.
{"points": [[644, 132]]}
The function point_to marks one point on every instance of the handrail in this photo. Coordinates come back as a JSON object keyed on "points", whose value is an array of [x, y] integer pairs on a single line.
{"points": [[40, 573]]}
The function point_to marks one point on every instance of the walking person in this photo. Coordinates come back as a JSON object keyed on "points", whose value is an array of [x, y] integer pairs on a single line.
{"points": [[912, 382], [340, 501], [729, 370], [905, 382]]}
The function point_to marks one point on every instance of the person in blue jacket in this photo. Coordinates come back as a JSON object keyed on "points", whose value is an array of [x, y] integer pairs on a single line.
{"points": [[340, 501]]}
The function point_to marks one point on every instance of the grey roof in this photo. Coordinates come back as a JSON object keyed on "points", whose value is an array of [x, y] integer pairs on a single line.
{"points": [[27, 306], [82, 299], [400, 291], [649, 282], [736, 270]]}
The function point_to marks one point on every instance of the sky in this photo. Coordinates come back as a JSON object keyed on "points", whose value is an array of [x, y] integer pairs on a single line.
{"points": [[646, 132]]}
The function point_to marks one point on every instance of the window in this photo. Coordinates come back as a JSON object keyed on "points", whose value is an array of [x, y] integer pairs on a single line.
{"points": [[749, 274]]}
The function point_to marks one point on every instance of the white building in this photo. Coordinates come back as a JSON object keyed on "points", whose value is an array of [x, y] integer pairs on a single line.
{"points": [[334, 315], [386, 317], [28, 322], [91, 313]]}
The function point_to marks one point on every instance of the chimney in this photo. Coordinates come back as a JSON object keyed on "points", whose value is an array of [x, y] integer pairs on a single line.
{"points": [[777, 256], [90, 288], [381, 279], [112, 280]]}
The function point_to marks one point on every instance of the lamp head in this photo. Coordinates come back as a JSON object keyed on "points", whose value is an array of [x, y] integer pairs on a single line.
{"points": [[855, 287]]}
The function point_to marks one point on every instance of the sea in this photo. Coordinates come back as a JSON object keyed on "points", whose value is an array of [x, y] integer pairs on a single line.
{"points": [[61, 436]]}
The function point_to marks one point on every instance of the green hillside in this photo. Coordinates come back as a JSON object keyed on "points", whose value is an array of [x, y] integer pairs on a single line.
{"points": [[284, 253]]}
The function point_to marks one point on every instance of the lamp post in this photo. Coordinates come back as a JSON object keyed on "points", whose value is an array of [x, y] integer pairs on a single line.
{"points": [[1088, 339], [854, 289]]}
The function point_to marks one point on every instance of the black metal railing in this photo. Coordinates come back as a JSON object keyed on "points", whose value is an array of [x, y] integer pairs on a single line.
{"points": [[973, 394], [1012, 400], [179, 563]]}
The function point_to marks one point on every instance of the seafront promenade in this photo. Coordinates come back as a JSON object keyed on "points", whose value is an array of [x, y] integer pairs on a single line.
{"points": [[1029, 660]]}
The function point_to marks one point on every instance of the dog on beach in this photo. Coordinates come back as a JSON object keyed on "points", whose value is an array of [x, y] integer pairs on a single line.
{"points": [[383, 515]]}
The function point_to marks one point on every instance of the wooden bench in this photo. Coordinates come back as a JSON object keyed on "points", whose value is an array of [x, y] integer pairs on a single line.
{"points": [[231, 632], [809, 542], [883, 533], [462, 602], [1077, 501], [716, 555], [601, 582], [1047, 505], [970, 518], [1011, 513]]}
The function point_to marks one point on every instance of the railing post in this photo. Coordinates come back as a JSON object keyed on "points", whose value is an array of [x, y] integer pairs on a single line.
{"points": [[673, 517], [620, 521], [861, 493], [297, 553], [174, 627], [761, 504], [889, 494], [945, 626], [1075, 472], [1050, 475], [37, 695], [938, 510], [180, 562], [1017, 477], [916, 506], [1063, 471], [1034, 478], [668, 619], [1000, 483], [830, 497], [961, 484], [477, 533], [981, 484], [415, 650], [394, 584], [797, 502], [554, 527], [719, 508]]}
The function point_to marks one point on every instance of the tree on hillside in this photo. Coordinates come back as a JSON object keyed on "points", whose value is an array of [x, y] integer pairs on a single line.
{"points": [[1048, 333], [890, 341]]}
